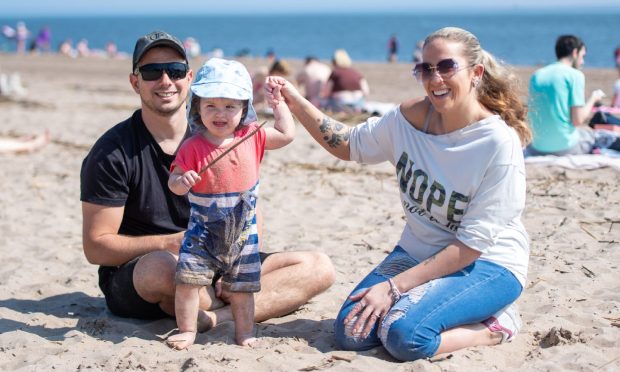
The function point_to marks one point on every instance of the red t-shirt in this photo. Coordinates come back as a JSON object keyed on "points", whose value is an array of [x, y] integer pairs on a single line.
{"points": [[238, 171]]}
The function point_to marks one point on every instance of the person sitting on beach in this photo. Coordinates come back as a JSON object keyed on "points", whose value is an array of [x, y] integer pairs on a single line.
{"points": [[346, 87], [222, 237], [558, 111], [279, 68], [24, 144], [312, 79], [133, 225], [462, 259]]}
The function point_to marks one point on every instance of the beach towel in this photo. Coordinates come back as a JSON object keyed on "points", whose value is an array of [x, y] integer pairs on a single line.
{"points": [[590, 161]]}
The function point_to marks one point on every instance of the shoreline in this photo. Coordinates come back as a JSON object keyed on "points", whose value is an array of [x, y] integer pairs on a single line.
{"points": [[389, 82]]}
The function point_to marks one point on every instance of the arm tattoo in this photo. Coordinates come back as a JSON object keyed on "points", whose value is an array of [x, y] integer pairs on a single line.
{"points": [[334, 132], [431, 259]]}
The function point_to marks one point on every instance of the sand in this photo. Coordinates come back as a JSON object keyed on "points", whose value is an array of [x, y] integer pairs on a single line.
{"points": [[53, 316]]}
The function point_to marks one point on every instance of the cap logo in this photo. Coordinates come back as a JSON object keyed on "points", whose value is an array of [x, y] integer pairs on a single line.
{"points": [[157, 35]]}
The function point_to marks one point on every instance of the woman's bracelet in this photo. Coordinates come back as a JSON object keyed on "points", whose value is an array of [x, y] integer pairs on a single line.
{"points": [[394, 292]]}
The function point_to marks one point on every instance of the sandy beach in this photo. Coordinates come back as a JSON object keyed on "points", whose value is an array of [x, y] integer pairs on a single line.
{"points": [[53, 315]]}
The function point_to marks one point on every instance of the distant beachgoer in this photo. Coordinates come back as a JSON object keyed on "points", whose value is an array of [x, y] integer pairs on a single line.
{"points": [[558, 110], [21, 35], [312, 79], [192, 46], [615, 100], [392, 48], [66, 48], [111, 50], [43, 40], [346, 87], [258, 82], [82, 48], [417, 52], [280, 68], [462, 258], [216, 53], [25, 144], [271, 56]]}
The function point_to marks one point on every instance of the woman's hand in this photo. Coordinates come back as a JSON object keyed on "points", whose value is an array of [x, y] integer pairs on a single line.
{"points": [[374, 303], [286, 89]]}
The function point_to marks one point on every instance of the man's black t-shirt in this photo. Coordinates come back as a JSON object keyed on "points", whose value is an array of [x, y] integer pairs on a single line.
{"points": [[126, 167]]}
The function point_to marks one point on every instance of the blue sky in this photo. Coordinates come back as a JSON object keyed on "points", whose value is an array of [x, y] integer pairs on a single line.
{"points": [[25, 8]]}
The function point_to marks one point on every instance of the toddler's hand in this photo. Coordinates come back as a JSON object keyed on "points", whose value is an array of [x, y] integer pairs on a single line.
{"points": [[189, 179], [273, 90], [276, 97]]}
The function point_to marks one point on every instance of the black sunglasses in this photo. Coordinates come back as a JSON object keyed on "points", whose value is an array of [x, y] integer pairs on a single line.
{"points": [[446, 68], [154, 71]]}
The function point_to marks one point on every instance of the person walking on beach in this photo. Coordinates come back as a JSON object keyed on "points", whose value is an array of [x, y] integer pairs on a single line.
{"points": [[133, 225], [462, 259], [558, 110], [392, 49], [222, 237]]}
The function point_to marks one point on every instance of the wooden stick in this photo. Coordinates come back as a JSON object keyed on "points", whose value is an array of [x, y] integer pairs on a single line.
{"points": [[231, 148]]}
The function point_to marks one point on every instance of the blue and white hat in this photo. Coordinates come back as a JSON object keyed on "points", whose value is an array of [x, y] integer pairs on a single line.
{"points": [[221, 78]]}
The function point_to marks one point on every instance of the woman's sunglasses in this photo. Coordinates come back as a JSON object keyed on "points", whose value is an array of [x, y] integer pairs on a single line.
{"points": [[154, 71], [446, 68]]}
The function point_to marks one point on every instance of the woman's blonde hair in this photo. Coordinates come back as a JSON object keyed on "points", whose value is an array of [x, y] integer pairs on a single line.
{"points": [[341, 58], [499, 89]]}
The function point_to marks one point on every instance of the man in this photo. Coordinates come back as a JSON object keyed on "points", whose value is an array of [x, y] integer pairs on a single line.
{"points": [[558, 110], [312, 78], [132, 224]]}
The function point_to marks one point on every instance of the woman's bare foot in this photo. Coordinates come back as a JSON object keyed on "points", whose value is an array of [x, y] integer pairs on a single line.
{"points": [[181, 340]]}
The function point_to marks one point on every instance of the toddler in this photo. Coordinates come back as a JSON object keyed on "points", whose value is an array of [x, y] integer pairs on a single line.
{"points": [[221, 237]]}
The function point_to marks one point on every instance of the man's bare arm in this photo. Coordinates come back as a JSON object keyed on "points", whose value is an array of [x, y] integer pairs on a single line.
{"points": [[103, 245]]}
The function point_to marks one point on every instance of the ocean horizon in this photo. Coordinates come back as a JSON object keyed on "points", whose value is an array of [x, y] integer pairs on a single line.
{"points": [[521, 38]]}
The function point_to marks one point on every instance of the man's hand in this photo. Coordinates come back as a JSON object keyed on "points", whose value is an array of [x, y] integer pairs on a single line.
{"points": [[173, 243]]}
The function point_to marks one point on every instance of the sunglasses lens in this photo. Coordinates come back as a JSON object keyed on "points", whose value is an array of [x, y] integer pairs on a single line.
{"points": [[447, 66], [176, 70], [154, 71], [422, 70]]}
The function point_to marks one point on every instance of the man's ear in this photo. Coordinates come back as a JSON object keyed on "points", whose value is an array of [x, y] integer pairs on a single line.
{"points": [[575, 54], [133, 80]]}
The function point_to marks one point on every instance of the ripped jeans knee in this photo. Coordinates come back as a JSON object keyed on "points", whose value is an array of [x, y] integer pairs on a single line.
{"points": [[412, 328], [395, 263]]}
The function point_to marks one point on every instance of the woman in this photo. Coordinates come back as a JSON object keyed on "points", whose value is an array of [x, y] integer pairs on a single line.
{"points": [[346, 87], [462, 258]]}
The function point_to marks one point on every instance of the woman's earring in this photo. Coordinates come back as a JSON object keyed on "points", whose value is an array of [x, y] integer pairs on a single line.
{"points": [[475, 82]]}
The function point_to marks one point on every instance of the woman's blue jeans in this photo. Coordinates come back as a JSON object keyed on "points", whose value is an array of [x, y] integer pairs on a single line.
{"points": [[412, 328]]}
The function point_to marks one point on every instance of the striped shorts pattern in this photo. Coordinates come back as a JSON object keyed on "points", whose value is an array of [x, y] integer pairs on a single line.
{"points": [[221, 237]]}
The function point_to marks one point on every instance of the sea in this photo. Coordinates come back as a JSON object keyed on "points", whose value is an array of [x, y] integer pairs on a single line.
{"points": [[522, 39]]}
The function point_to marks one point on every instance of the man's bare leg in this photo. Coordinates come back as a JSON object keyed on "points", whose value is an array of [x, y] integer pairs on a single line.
{"points": [[153, 278], [288, 280]]}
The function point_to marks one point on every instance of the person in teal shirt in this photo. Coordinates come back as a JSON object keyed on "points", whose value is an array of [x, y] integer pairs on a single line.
{"points": [[558, 109]]}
